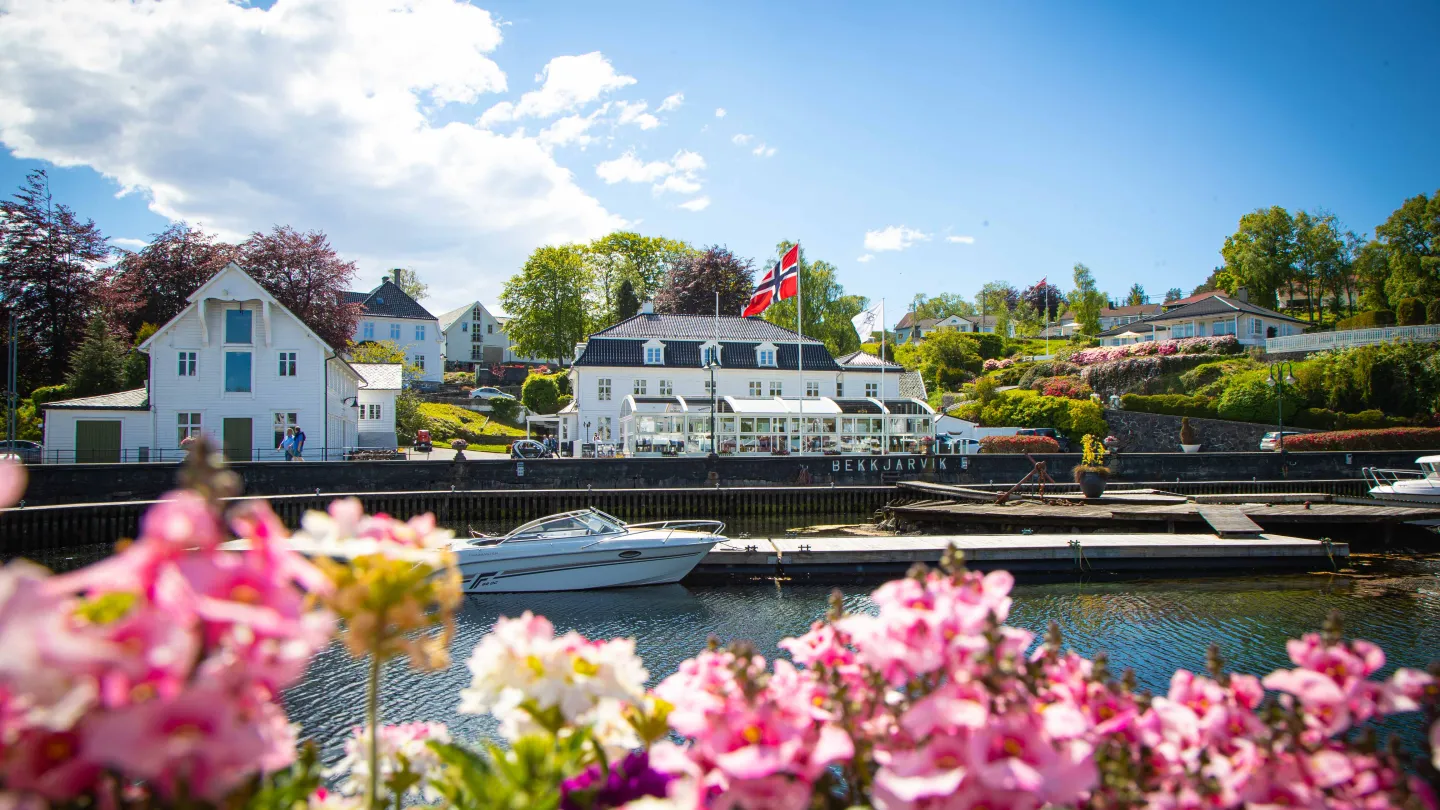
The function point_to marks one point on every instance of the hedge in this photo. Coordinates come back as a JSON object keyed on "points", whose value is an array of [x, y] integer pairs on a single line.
{"points": [[1432, 311], [1386, 439], [1367, 320], [1410, 312], [1170, 405], [1020, 444]]}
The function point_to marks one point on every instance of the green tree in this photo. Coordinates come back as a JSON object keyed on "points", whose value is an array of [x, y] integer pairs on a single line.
{"points": [[1260, 255], [547, 302], [540, 393], [1319, 256], [998, 299], [1217, 280], [1411, 237], [644, 261], [1086, 301], [828, 310], [409, 282], [1174, 294], [947, 359], [136, 368], [96, 364], [941, 306], [627, 305], [408, 417], [695, 280], [1136, 297], [382, 351], [1371, 267]]}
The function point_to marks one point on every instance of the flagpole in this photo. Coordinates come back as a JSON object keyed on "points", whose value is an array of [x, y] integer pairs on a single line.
{"points": [[800, 344], [884, 426]]}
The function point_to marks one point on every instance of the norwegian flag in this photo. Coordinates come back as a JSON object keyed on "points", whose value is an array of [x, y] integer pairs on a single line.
{"points": [[780, 282]]}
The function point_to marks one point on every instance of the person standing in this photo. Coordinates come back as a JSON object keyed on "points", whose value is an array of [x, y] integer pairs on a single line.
{"points": [[288, 444], [299, 444]]}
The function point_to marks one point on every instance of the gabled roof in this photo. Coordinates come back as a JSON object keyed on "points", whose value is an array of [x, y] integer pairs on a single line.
{"points": [[1208, 306], [448, 319], [912, 385], [137, 399], [1132, 309], [380, 376], [608, 351], [865, 360], [389, 301], [701, 327], [1190, 299], [906, 320]]}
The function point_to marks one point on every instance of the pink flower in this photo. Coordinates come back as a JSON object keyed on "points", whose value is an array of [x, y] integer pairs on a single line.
{"points": [[12, 482], [936, 769], [49, 763], [1011, 753]]}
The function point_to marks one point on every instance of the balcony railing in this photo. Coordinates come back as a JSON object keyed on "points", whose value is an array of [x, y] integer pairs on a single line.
{"points": [[1319, 341]]}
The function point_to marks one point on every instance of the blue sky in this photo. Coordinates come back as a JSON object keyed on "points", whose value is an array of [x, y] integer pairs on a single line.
{"points": [[1128, 137]]}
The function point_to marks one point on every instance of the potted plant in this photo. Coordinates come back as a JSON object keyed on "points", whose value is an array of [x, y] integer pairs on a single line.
{"points": [[1091, 473], [1187, 436]]}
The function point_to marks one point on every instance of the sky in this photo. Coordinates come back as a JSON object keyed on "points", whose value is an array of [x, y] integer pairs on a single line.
{"points": [[919, 147]]}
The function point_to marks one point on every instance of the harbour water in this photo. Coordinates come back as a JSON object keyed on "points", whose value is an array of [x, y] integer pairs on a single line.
{"points": [[1153, 626]]}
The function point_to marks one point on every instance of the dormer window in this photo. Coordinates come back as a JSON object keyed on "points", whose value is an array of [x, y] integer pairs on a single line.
{"points": [[654, 353], [709, 354], [765, 355]]}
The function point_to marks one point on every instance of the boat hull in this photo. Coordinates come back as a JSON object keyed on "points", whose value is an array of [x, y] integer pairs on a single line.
{"points": [[1418, 492], [583, 570]]}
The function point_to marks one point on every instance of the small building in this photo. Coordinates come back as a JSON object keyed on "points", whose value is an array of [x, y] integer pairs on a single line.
{"points": [[1111, 317], [380, 385], [388, 313], [235, 365], [1212, 314], [911, 329]]}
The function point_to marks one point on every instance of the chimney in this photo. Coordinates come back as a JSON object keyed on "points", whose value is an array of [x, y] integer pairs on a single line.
{"points": [[1243, 295], [384, 280], [647, 308]]}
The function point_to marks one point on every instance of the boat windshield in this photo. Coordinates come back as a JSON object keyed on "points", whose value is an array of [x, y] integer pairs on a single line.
{"points": [[582, 523]]}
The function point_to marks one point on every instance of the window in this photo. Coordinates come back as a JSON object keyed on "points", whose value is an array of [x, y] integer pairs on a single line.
{"points": [[370, 411], [489, 328], [602, 389], [711, 354], [418, 361], [367, 331], [709, 388], [1255, 326], [756, 389], [237, 325], [872, 389], [281, 423], [654, 355], [639, 387], [188, 361], [604, 428], [476, 337], [1222, 328], [477, 352], [464, 327], [187, 427], [287, 364], [237, 372], [667, 388], [776, 389], [812, 388], [766, 357], [419, 331], [394, 331]]}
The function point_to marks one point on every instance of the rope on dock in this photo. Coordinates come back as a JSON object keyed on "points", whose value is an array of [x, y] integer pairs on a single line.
{"points": [[1329, 547], [1080, 562]]}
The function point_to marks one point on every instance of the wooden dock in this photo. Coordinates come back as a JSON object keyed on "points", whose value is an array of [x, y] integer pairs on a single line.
{"points": [[835, 558]]}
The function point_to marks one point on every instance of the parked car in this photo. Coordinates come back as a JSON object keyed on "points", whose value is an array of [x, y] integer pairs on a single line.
{"points": [[422, 441], [529, 448], [22, 451], [1271, 440], [488, 393], [1060, 440], [956, 445]]}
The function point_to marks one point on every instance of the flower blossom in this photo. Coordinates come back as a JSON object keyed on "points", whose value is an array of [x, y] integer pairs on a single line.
{"points": [[403, 752]]}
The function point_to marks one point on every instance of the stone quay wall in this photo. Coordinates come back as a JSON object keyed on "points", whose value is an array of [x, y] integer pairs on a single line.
{"points": [[1160, 433]]}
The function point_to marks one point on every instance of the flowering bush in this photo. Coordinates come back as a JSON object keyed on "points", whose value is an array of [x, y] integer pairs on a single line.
{"points": [[1386, 439], [995, 365], [1019, 444], [1224, 344], [150, 680], [1131, 374], [1066, 387]]}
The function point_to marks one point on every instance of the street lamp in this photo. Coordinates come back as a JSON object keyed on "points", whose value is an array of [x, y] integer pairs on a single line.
{"points": [[714, 451], [1280, 375]]}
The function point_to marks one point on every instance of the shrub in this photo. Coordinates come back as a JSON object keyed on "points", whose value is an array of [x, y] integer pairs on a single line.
{"points": [[1223, 344], [541, 393], [1072, 418], [1011, 375], [1048, 368], [1086, 418], [1206, 374], [565, 399], [1187, 433], [1130, 373], [987, 345], [1252, 400], [50, 393], [1410, 312], [1367, 320], [504, 408], [1315, 419], [1397, 378], [1432, 311], [1370, 419], [1386, 439], [1067, 387], [1019, 444], [1170, 405]]}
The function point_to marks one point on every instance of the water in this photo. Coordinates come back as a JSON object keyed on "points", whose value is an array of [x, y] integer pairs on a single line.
{"points": [[1153, 626]]}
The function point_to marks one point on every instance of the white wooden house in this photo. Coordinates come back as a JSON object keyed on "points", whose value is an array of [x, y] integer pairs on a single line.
{"points": [[388, 313], [1209, 315], [475, 338], [381, 384]]}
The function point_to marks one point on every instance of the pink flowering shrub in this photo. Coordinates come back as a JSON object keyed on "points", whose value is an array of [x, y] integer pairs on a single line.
{"points": [[995, 365], [1223, 344]]}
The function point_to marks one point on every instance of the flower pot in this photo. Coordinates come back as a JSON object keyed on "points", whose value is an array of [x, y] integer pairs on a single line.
{"points": [[1190, 448], [1092, 484]]}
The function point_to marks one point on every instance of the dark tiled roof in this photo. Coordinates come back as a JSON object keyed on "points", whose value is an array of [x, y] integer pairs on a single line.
{"points": [[912, 385], [865, 360], [906, 320], [389, 301], [1207, 307], [702, 327], [607, 351], [137, 399]]}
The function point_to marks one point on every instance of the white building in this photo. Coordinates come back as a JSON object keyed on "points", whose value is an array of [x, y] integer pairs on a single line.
{"points": [[475, 337], [380, 384], [235, 365], [643, 387], [1212, 314], [387, 313]]}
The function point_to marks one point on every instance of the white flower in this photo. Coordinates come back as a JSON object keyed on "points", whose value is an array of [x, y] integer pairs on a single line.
{"points": [[402, 749]]}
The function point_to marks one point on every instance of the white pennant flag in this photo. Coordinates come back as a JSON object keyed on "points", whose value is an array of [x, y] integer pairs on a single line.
{"points": [[869, 322]]}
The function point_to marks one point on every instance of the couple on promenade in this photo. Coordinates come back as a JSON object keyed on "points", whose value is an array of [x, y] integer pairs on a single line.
{"points": [[293, 444]]}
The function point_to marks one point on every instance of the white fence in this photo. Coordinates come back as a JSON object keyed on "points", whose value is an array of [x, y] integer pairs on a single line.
{"points": [[1319, 341]]}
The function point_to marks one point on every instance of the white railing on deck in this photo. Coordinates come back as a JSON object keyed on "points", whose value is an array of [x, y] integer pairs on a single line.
{"points": [[1319, 341]]}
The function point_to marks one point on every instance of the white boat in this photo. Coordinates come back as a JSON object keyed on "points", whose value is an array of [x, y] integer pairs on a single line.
{"points": [[1414, 486], [585, 549]]}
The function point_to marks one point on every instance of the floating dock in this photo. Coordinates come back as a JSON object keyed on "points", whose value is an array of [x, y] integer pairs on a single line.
{"points": [[841, 558]]}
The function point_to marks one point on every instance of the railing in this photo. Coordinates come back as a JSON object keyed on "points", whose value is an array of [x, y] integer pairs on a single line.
{"points": [[159, 455], [1318, 341], [1381, 477]]}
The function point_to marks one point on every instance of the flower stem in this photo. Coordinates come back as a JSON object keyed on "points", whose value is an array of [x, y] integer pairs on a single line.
{"points": [[372, 719]]}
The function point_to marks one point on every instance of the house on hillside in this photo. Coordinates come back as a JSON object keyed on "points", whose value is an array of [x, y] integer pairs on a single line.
{"points": [[1111, 317], [911, 329], [388, 313], [475, 338], [650, 385], [234, 365], [1211, 314]]}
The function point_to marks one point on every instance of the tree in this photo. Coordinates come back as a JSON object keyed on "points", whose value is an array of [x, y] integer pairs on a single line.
{"points": [[1137, 296], [1217, 280], [152, 285], [947, 358], [408, 417], [997, 299], [1372, 270], [409, 282], [1043, 299], [1086, 301], [136, 367], [547, 302], [48, 277], [828, 310], [694, 280], [1260, 255], [1319, 257], [307, 277], [540, 393], [382, 351], [95, 367], [626, 304], [1174, 294], [941, 306], [644, 261], [1411, 236]]}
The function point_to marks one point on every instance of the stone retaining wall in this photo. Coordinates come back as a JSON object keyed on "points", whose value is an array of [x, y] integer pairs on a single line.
{"points": [[1160, 433]]}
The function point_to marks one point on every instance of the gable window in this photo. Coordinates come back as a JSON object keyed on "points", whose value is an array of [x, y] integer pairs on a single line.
{"points": [[187, 364], [654, 355], [464, 327], [367, 331], [237, 372], [872, 389], [602, 389], [394, 331], [765, 356], [667, 388], [371, 411], [639, 387], [418, 361], [419, 331], [237, 325], [489, 328], [282, 422], [710, 355], [287, 364], [839, 388], [812, 388], [776, 389], [187, 427], [756, 389]]}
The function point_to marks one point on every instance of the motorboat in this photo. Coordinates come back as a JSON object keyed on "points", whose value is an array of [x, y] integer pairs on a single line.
{"points": [[584, 549], [1415, 486]]}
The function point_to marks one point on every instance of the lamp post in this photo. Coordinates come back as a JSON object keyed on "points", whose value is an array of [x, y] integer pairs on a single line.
{"points": [[1280, 375], [714, 451]]}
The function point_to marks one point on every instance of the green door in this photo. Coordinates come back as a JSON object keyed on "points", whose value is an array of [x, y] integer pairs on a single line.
{"points": [[97, 441], [238, 439]]}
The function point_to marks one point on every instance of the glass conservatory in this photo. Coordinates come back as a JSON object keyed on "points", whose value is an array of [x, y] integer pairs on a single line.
{"points": [[674, 425]]}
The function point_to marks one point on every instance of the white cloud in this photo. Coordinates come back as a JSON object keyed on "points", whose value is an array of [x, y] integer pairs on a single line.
{"points": [[680, 174], [741, 139], [314, 113], [763, 151], [895, 237], [719, 112], [128, 243], [634, 113], [863, 259], [672, 102], [571, 129], [963, 240], [697, 204], [567, 83]]}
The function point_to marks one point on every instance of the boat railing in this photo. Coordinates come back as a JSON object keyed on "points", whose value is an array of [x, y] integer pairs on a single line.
{"points": [[1379, 476], [716, 526]]}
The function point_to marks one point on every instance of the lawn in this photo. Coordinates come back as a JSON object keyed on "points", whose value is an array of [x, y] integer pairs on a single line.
{"points": [[448, 422]]}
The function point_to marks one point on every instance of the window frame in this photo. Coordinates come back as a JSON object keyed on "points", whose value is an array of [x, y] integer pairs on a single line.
{"points": [[250, 380], [293, 358], [638, 387], [193, 369], [367, 330], [872, 390], [418, 361], [654, 355], [286, 419], [190, 427], [372, 412], [249, 316], [776, 388], [666, 388], [604, 388], [756, 388], [419, 331], [812, 389]]}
